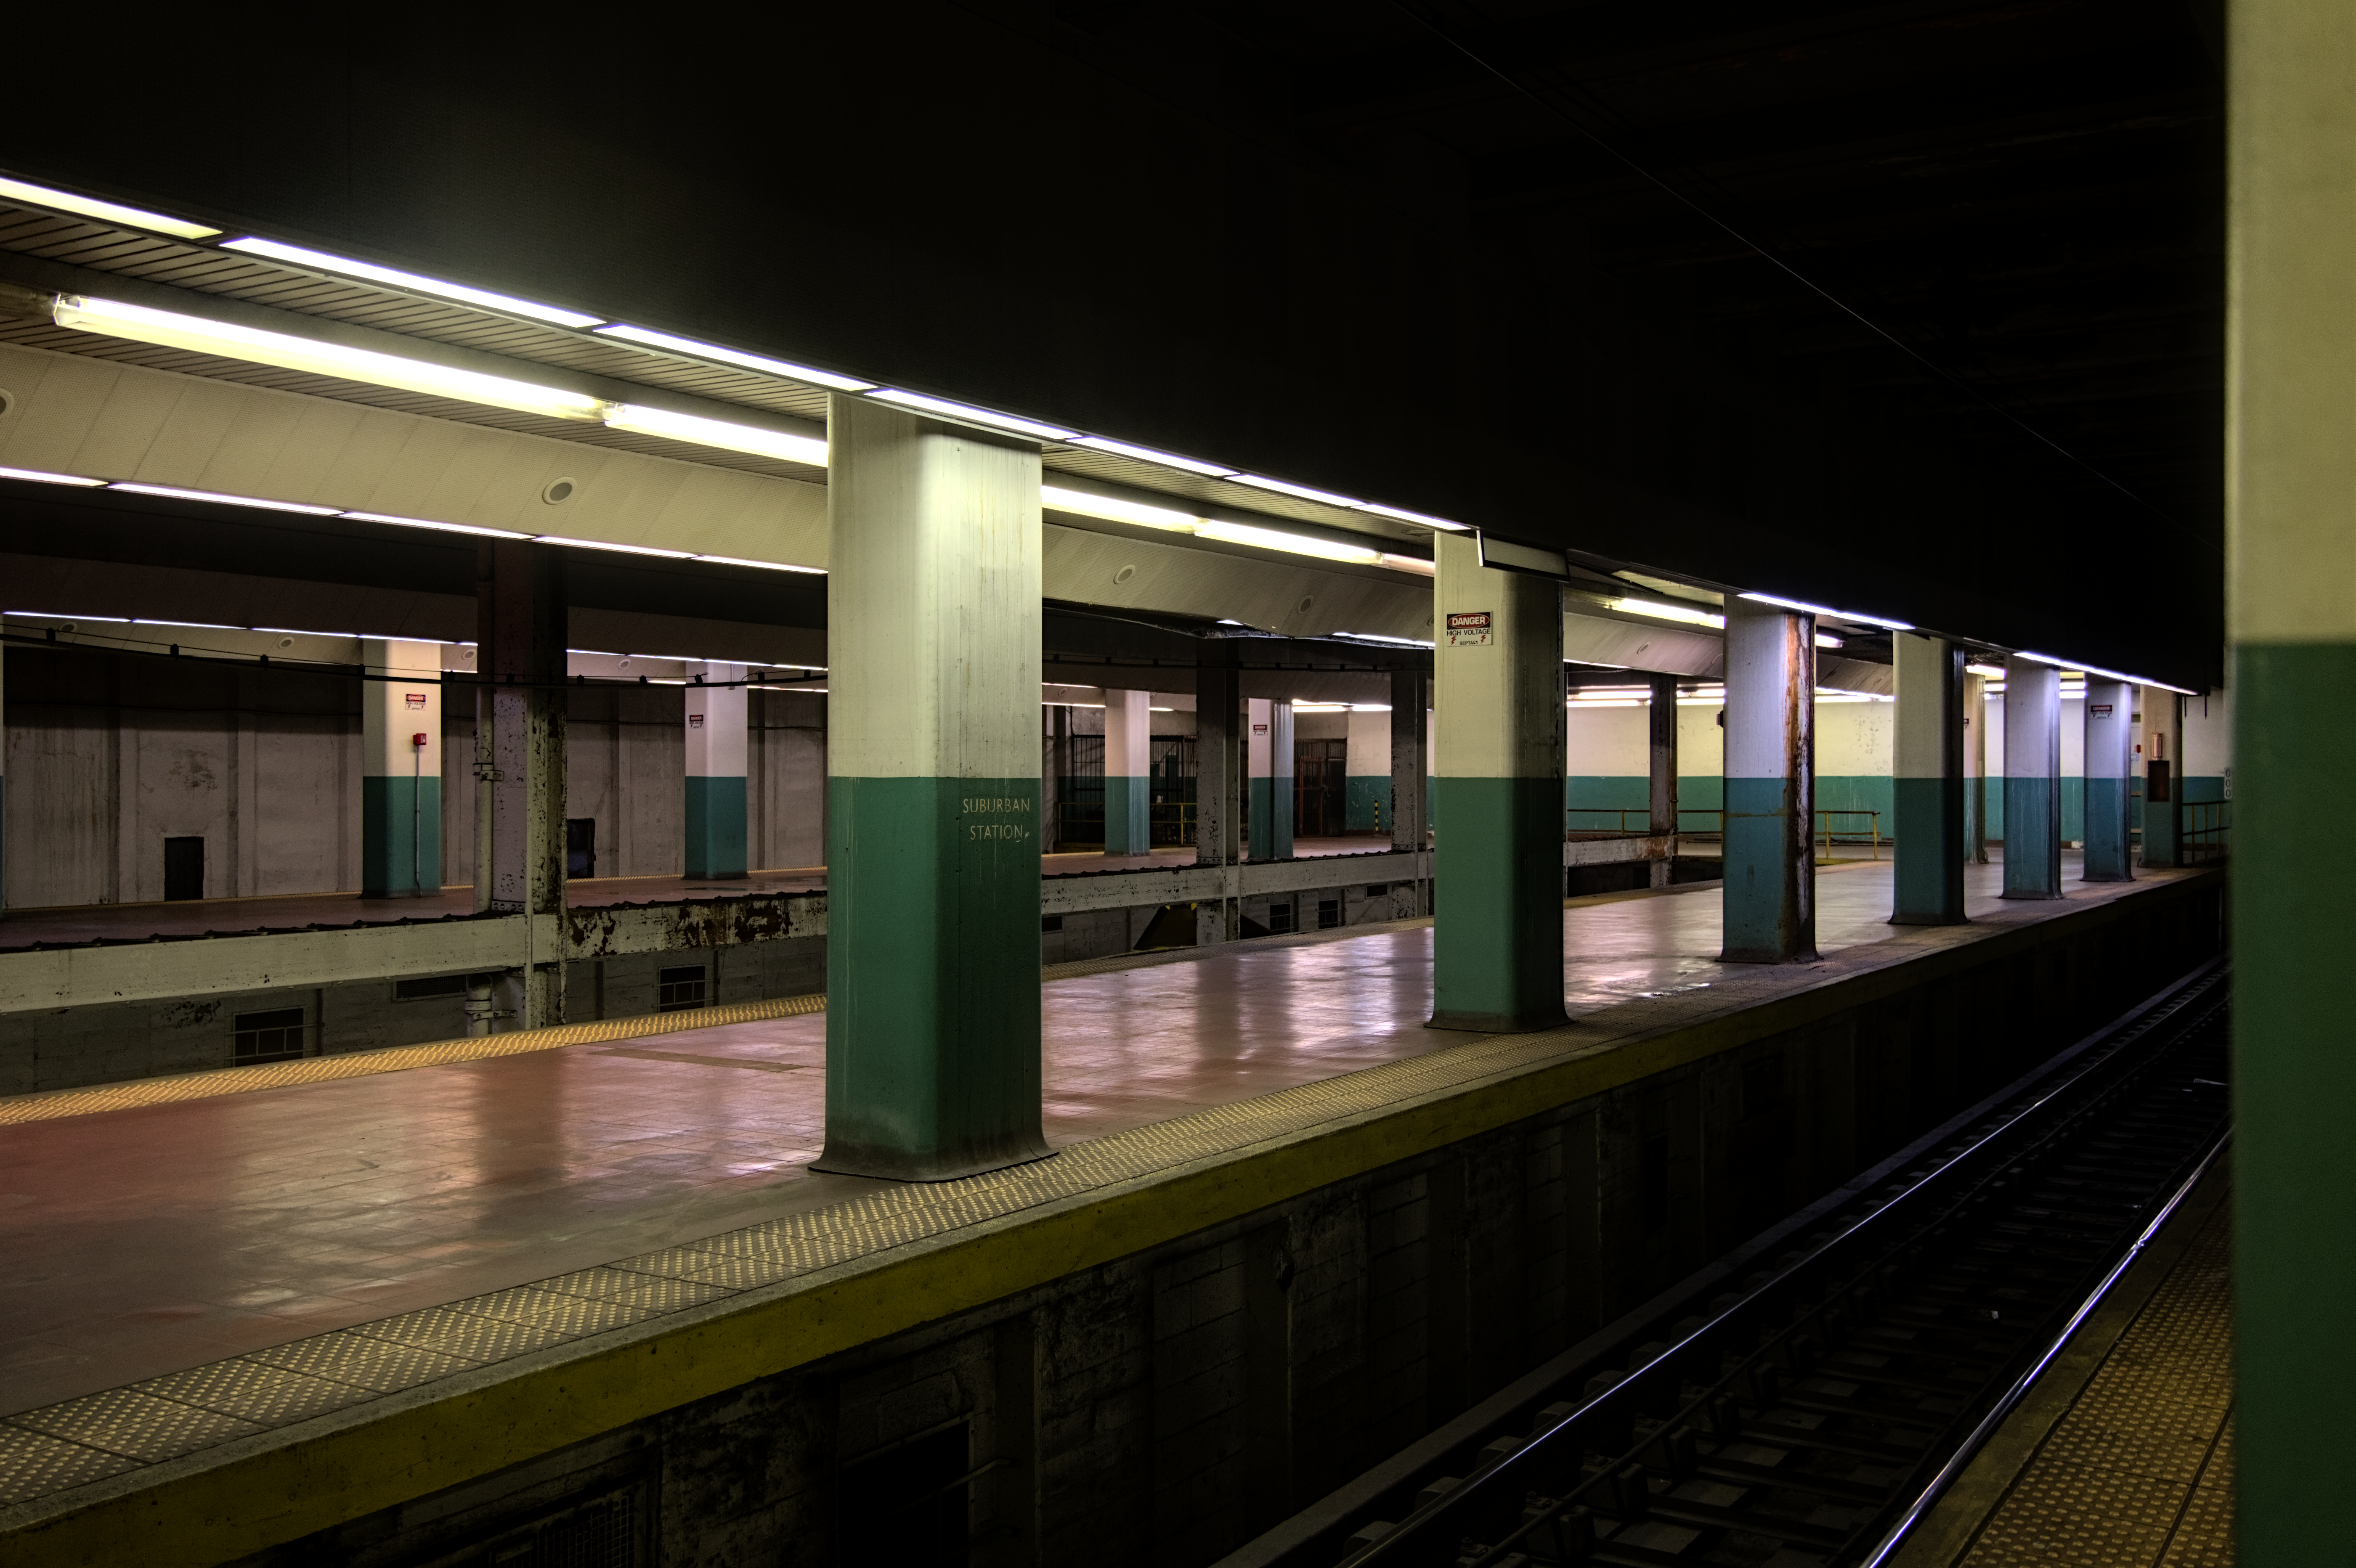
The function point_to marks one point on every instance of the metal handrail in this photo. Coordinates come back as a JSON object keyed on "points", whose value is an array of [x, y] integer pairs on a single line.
{"points": [[1826, 828], [2202, 828]]}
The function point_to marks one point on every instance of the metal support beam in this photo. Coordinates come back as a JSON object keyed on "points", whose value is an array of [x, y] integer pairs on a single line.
{"points": [[519, 632]]}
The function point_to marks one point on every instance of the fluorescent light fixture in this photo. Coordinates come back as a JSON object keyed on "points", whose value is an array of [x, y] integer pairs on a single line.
{"points": [[761, 362], [1285, 487], [113, 212], [173, 494], [428, 523], [55, 615], [1295, 544], [205, 626], [1060, 702], [2070, 666], [1114, 509], [1782, 602], [1147, 454], [1370, 707], [968, 412], [1608, 702], [625, 548], [763, 565], [1826, 640], [1321, 708], [1414, 563], [1161, 710], [301, 632], [171, 329], [1385, 637], [1658, 610], [38, 477], [721, 433], [398, 279], [1988, 671], [1403, 516]]}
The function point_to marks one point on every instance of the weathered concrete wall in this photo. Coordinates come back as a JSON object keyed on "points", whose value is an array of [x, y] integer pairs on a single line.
{"points": [[1163, 1409]]}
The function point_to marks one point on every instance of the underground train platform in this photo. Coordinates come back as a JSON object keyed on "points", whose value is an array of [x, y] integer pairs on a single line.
{"points": [[1025, 785]]}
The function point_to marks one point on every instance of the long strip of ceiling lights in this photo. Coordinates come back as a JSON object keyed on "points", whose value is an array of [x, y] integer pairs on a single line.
{"points": [[305, 508]]}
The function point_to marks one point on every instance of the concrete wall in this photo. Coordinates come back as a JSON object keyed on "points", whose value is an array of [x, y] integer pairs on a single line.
{"points": [[1164, 1408]]}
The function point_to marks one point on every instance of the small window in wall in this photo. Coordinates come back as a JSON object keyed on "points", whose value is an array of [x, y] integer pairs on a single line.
{"points": [[1051, 922], [1279, 918], [1329, 914], [274, 1036], [184, 868], [1378, 889], [680, 988], [580, 845], [428, 988]]}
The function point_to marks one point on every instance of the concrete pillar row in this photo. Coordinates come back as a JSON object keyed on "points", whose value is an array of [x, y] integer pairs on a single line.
{"points": [[933, 786], [1128, 772], [1771, 766], [717, 748], [401, 768], [2032, 781], [2109, 767], [519, 716], [1927, 786], [1498, 702]]}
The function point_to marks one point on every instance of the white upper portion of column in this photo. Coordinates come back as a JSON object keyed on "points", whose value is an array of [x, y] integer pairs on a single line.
{"points": [[1127, 733], [2032, 720], [1921, 750], [1770, 691], [394, 712], [1369, 744], [933, 601], [715, 723], [1497, 686], [1257, 736]]}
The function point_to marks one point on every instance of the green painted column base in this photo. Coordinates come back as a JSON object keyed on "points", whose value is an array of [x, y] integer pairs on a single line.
{"points": [[1497, 931], [2109, 857], [932, 963], [2294, 1099], [1128, 819], [1927, 820], [716, 814], [2032, 839], [1770, 912], [1366, 802], [401, 837], [1257, 807]]}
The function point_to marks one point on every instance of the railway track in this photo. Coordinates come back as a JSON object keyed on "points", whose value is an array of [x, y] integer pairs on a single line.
{"points": [[1805, 1416]]}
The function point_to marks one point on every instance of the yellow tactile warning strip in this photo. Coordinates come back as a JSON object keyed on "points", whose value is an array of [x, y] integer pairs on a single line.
{"points": [[2139, 1472], [58, 1103]]}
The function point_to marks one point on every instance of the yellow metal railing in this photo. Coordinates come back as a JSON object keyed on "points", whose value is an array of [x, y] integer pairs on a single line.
{"points": [[1826, 831]]}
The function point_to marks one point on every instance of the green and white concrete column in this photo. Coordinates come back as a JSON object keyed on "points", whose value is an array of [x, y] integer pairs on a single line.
{"points": [[1281, 770], [1770, 769], [2032, 780], [2290, 490], [1976, 784], [2109, 768], [1259, 753], [520, 616], [1927, 782], [717, 738], [1661, 719], [401, 769], [1219, 735], [1128, 772], [1411, 785], [1498, 700], [2163, 774], [933, 615], [1367, 808]]}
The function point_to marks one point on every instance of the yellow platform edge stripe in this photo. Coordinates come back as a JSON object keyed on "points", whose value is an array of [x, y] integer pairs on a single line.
{"points": [[262, 1493]]}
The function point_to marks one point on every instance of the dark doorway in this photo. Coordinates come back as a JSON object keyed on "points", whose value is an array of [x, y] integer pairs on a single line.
{"points": [[580, 845], [907, 1504], [1320, 783], [184, 868]]}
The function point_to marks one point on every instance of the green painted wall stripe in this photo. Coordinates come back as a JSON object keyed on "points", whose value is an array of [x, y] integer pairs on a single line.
{"points": [[1758, 890], [2032, 846], [932, 963], [400, 835], [715, 827], [1366, 802], [2293, 1082], [1497, 934]]}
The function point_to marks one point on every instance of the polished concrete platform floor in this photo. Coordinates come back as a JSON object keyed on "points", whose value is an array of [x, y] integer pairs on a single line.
{"points": [[2122, 1454], [147, 1239], [197, 917]]}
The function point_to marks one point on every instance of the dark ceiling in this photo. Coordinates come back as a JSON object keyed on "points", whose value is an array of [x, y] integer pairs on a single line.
{"points": [[1915, 308]]}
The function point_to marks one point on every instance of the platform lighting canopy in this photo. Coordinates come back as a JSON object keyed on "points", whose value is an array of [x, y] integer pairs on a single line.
{"points": [[1148, 454], [1375, 637], [320, 260], [1402, 515], [173, 493], [173, 329], [763, 565], [1782, 602], [1286, 487], [761, 362], [2074, 666], [429, 523], [608, 544], [38, 477], [725, 434], [1986, 671], [108, 211], [1295, 544], [971, 415], [1656, 609], [1118, 509]]}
